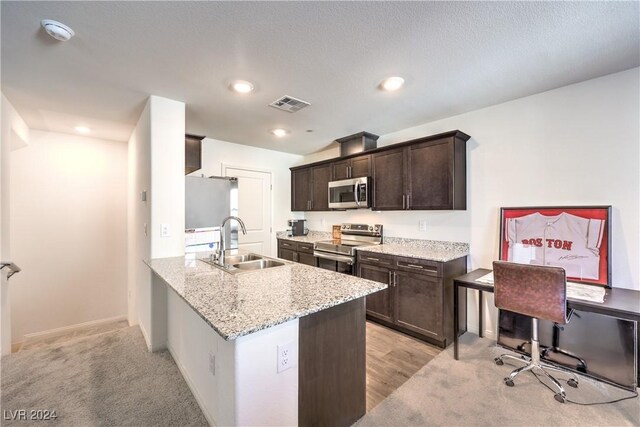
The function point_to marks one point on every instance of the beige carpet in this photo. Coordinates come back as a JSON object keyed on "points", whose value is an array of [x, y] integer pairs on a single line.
{"points": [[470, 392], [105, 380]]}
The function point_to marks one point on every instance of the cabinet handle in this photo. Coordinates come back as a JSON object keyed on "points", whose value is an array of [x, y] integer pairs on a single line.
{"points": [[295, 256], [395, 278], [404, 201], [408, 201], [390, 279], [348, 172], [414, 266], [371, 258]]}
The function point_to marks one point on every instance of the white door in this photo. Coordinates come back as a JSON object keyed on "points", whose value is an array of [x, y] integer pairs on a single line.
{"points": [[254, 207]]}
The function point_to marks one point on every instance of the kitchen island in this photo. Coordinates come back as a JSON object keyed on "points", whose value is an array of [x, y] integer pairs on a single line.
{"points": [[279, 346]]}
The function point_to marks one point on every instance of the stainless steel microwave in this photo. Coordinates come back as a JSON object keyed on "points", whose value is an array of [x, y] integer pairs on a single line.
{"points": [[349, 193]]}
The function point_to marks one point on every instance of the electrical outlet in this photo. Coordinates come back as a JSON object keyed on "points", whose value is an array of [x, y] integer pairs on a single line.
{"points": [[212, 364], [422, 225], [287, 356], [165, 230]]}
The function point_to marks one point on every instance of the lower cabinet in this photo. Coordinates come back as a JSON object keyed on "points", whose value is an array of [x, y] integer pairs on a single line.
{"points": [[419, 299], [301, 252]]}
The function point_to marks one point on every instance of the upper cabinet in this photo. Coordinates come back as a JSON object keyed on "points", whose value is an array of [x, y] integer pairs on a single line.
{"points": [[192, 153], [310, 188], [423, 174], [355, 167]]}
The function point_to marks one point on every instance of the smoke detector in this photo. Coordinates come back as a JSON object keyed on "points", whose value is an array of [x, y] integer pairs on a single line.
{"points": [[289, 104], [57, 30]]}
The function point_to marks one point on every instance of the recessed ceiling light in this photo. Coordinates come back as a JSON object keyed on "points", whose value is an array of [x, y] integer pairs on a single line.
{"points": [[392, 83], [280, 132], [82, 129], [241, 86]]}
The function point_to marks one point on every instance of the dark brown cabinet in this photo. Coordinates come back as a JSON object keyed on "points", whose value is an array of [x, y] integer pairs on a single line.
{"points": [[192, 153], [388, 180], [423, 174], [436, 175], [301, 252], [320, 177], [429, 175], [309, 188], [301, 189], [380, 304], [355, 167], [419, 299], [417, 302]]}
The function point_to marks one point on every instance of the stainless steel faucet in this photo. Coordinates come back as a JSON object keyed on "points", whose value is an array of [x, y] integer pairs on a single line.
{"points": [[221, 249]]}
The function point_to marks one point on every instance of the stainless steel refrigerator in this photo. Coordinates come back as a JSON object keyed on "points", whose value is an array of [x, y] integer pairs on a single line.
{"points": [[208, 202]]}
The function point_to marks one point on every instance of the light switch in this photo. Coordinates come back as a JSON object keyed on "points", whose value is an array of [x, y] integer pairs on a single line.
{"points": [[165, 230]]}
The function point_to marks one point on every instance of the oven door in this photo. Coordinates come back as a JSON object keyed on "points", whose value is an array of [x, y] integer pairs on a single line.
{"points": [[334, 262], [349, 193]]}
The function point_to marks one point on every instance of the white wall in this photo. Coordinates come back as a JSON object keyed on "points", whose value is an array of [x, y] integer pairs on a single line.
{"points": [[139, 220], [576, 145], [68, 231], [156, 165], [215, 153], [14, 134]]}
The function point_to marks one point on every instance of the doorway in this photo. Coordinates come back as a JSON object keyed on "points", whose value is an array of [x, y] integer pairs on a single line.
{"points": [[254, 207]]}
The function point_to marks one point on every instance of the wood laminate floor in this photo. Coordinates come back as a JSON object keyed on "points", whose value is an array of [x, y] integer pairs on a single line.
{"points": [[392, 358]]}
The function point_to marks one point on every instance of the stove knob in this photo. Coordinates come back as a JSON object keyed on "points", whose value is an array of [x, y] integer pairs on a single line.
{"points": [[344, 226], [377, 228], [371, 228]]}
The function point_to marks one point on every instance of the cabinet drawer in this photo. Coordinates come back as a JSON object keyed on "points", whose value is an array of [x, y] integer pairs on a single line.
{"points": [[375, 259], [420, 266], [287, 244], [305, 247]]}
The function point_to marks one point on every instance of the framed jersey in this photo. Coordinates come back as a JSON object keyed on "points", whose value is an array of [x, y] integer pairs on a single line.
{"points": [[576, 238]]}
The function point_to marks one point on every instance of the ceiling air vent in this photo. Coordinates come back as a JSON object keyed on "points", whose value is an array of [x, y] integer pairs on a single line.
{"points": [[289, 104]]}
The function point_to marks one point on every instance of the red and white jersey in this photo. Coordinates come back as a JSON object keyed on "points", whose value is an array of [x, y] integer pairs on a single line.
{"points": [[563, 240]]}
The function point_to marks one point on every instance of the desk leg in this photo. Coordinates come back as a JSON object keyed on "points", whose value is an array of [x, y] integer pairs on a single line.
{"points": [[455, 321], [480, 316]]}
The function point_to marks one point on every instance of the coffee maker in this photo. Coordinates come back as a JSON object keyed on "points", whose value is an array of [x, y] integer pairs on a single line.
{"points": [[297, 227]]}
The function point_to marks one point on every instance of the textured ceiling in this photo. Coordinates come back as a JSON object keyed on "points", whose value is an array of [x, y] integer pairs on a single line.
{"points": [[454, 56]]}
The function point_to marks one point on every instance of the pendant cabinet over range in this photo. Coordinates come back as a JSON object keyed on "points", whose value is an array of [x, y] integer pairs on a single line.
{"points": [[422, 174]]}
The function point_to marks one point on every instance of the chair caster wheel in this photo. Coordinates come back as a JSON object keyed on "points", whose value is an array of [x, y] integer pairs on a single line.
{"points": [[508, 382], [572, 383], [498, 361], [560, 398]]}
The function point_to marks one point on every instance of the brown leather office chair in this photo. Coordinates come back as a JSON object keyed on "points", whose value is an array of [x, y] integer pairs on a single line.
{"points": [[541, 293]]}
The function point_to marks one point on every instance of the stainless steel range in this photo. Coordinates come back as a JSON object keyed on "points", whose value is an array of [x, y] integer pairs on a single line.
{"points": [[340, 254]]}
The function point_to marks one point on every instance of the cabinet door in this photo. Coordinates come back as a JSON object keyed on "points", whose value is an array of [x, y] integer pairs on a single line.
{"points": [[301, 189], [340, 170], [379, 304], [321, 175], [388, 180], [430, 175], [308, 259], [288, 254], [360, 166], [418, 303]]}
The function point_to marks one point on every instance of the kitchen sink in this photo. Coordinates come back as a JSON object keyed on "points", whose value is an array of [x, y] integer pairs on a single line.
{"points": [[259, 264], [247, 262], [235, 259]]}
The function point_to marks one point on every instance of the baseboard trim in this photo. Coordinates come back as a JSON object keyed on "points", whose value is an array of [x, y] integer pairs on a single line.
{"points": [[191, 386], [51, 333]]}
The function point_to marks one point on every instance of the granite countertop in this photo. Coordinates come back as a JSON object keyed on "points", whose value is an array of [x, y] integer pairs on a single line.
{"points": [[432, 250], [312, 237], [240, 304]]}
